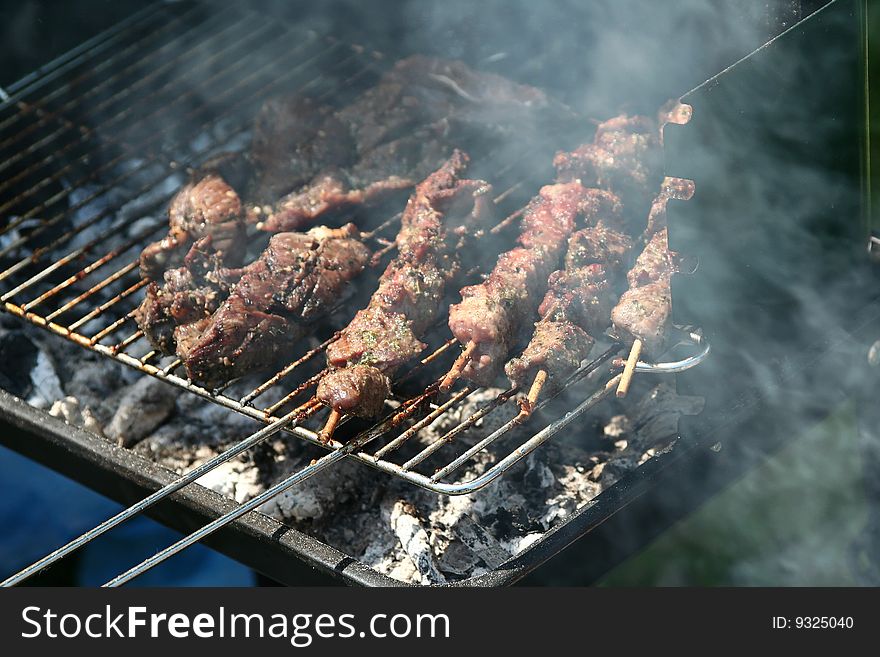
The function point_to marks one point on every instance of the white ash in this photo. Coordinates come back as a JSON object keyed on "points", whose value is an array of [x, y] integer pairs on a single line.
{"points": [[321, 495], [45, 381], [69, 410], [238, 480], [414, 539]]}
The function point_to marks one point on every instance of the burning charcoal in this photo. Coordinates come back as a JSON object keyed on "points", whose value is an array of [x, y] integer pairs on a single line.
{"points": [[46, 384], [471, 547], [18, 355], [415, 541], [142, 408]]}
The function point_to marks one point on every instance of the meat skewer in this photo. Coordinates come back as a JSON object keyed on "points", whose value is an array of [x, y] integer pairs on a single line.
{"points": [[577, 307], [644, 311], [622, 163], [491, 315], [387, 333]]}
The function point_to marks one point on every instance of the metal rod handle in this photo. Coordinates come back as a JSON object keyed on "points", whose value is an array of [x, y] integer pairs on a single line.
{"points": [[147, 502], [301, 475]]}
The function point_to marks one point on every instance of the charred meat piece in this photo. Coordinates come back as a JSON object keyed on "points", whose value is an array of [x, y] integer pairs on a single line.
{"points": [[654, 263], [298, 278], [405, 127], [644, 311], [387, 333], [208, 209], [295, 138], [576, 307], [183, 298], [386, 170], [625, 158], [493, 314]]}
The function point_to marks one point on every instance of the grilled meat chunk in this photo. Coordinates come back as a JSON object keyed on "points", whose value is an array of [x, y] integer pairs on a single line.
{"points": [[655, 262], [208, 209], [645, 310], [576, 307], [625, 158], [677, 188], [299, 277], [556, 347], [645, 313], [599, 244], [359, 389], [397, 132], [493, 314], [155, 319], [184, 298], [584, 295], [387, 333], [295, 138]]}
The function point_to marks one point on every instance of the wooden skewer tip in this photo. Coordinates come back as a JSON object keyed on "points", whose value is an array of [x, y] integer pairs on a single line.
{"points": [[629, 369], [457, 367], [326, 434], [527, 405]]}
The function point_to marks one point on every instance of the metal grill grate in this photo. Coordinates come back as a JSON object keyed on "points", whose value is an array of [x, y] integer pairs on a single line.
{"points": [[83, 148], [90, 155]]}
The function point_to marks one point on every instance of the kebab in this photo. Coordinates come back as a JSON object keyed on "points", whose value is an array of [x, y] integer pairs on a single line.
{"points": [[387, 333], [645, 319], [644, 311], [206, 213], [577, 307], [620, 163]]}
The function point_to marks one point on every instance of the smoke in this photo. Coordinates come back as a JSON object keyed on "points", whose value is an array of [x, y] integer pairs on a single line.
{"points": [[782, 287], [600, 56]]}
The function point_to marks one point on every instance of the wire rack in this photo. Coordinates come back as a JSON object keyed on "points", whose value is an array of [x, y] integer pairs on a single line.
{"points": [[92, 150], [91, 153]]}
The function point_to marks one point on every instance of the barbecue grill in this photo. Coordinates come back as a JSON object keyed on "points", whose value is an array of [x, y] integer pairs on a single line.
{"points": [[119, 114]]}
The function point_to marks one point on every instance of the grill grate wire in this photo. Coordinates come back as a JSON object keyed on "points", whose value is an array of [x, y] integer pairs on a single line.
{"points": [[90, 155]]}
